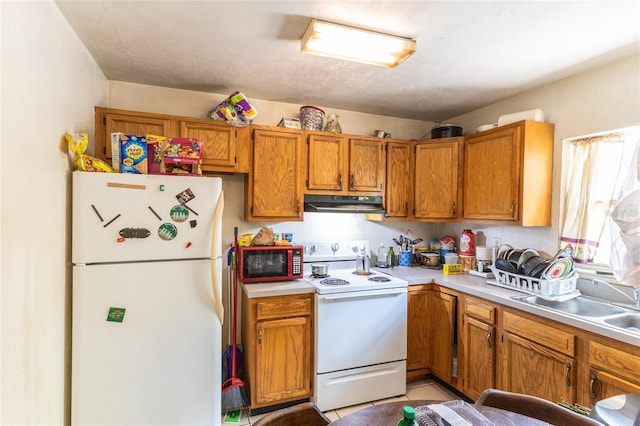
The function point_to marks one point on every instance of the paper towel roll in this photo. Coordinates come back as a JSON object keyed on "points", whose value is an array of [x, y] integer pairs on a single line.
{"points": [[533, 115]]}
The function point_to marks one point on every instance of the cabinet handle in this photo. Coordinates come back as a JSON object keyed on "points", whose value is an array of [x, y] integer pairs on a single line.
{"points": [[406, 207], [455, 209], [298, 208], [351, 181], [567, 369], [592, 386], [489, 339], [260, 335], [513, 209], [339, 180]]}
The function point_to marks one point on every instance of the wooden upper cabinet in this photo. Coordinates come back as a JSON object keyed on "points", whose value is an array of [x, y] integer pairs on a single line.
{"points": [[398, 180], [225, 148], [219, 142], [366, 165], [274, 187], [127, 122], [507, 174], [339, 164], [437, 184], [327, 162]]}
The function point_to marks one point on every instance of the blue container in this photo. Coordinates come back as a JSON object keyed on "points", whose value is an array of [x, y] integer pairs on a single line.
{"points": [[405, 258]]}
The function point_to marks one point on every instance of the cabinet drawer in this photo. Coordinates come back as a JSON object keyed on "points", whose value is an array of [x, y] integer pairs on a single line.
{"points": [[614, 360], [479, 309], [283, 307], [546, 335]]}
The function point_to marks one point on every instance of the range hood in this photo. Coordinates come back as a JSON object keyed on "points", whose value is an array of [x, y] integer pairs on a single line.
{"points": [[343, 204]]}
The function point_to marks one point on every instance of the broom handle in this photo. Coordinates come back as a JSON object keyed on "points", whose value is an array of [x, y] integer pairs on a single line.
{"points": [[235, 301]]}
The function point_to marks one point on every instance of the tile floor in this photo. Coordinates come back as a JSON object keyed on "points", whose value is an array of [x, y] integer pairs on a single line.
{"points": [[424, 389]]}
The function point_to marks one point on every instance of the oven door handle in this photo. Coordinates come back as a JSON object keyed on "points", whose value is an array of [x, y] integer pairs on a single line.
{"points": [[361, 295]]}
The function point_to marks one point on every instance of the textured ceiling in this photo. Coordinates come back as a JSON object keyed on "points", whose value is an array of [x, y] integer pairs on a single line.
{"points": [[470, 54]]}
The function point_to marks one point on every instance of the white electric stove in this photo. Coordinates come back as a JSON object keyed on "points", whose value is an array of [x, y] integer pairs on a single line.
{"points": [[342, 275], [360, 328]]}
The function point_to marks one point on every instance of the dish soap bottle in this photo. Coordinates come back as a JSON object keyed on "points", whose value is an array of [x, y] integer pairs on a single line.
{"points": [[408, 417], [390, 257], [382, 256]]}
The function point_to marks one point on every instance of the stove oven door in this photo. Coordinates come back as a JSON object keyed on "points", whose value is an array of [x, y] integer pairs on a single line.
{"points": [[362, 328]]}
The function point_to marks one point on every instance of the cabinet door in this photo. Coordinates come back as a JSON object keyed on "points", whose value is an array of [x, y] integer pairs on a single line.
{"points": [[219, 144], [604, 385], [533, 369], [492, 175], [418, 336], [398, 180], [443, 324], [437, 179], [479, 356], [132, 125], [283, 360], [366, 165], [327, 162], [274, 192]]}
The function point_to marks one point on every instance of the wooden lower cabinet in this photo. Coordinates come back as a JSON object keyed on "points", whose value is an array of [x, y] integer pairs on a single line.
{"points": [[534, 369], [442, 319], [278, 347], [613, 370], [538, 359], [418, 335], [478, 346]]}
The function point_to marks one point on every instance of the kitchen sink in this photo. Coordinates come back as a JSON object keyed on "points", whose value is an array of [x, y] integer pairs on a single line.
{"points": [[580, 306], [629, 321]]}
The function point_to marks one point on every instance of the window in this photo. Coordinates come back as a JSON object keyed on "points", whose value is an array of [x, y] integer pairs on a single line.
{"points": [[595, 170]]}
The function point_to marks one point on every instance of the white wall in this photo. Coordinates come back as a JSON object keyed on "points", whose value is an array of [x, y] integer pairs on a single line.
{"points": [[50, 85], [603, 99]]}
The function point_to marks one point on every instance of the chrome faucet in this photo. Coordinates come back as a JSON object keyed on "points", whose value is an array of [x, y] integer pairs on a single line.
{"points": [[635, 299]]}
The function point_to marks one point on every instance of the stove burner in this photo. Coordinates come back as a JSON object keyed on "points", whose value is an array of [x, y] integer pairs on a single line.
{"points": [[379, 279], [319, 275], [334, 281], [362, 273]]}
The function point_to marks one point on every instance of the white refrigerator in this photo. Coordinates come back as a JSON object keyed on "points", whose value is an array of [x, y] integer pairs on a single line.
{"points": [[147, 311]]}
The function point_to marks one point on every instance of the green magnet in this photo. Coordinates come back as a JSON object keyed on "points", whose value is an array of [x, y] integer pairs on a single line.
{"points": [[161, 188], [115, 314]]}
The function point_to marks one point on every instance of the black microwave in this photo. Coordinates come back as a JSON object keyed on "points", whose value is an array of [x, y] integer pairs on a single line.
{"points": [[270, 263]]}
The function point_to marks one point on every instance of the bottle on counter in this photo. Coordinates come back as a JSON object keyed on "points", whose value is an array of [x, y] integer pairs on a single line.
{"points": [[390, 257], [467, 243], [408, 416], [382, 256], [435, 245]]}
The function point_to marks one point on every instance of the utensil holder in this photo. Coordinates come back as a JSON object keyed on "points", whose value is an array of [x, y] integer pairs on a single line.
{"points": [[405, 258]]}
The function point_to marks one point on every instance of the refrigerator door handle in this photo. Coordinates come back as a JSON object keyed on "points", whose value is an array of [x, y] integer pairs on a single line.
{"points": [[216, 258]]}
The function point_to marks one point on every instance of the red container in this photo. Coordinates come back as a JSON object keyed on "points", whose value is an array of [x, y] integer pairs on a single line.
{"points": [[467, 246]]}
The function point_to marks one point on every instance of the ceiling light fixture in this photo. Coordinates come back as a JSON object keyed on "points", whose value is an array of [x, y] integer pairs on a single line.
{"points": [[354, 44]]}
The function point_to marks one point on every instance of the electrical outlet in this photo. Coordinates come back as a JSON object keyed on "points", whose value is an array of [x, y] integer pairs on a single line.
{"points": [[497, 242]]}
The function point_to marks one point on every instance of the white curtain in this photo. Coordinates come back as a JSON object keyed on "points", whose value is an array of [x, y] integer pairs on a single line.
{"points": [[587, 198]]}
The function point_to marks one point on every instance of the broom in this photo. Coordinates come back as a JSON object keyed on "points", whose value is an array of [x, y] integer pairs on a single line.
{"points": [[234, 393]]}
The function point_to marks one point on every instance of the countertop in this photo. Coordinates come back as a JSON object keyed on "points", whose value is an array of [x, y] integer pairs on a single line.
{"points": [[464, 283]]}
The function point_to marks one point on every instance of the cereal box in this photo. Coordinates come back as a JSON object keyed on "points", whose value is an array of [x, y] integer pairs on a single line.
{"points": [[156, 145], [133, 154], [183, 156], [115, 151]]}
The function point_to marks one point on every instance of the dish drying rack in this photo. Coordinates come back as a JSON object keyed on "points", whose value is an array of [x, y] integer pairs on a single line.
{"points": [[556, 290]]}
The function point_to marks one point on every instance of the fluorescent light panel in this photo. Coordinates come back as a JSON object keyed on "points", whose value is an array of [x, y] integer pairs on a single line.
{"points": [[353, 44]]}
